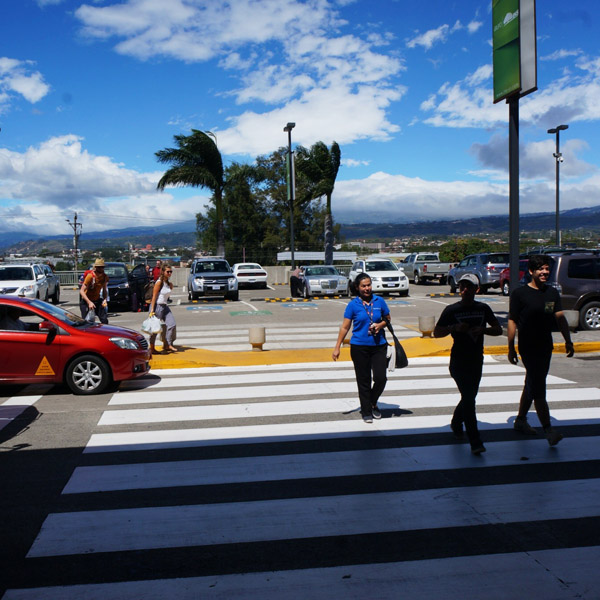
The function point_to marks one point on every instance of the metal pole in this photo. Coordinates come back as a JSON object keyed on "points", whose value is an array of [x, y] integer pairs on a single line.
{"points": [[557, 155], [513, 175], [291, 187]]}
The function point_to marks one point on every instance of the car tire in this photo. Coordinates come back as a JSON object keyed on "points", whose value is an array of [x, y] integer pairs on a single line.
{"points": [[305, 292], [452, 285], [417, 279], [88, 374], [506, 288], [403, 293], [483, 289], [56, 296], [443, 280], [589, 316], [233, 296]]}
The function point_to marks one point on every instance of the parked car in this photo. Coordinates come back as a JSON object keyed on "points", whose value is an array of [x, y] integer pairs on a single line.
{"points": [[212, 276], [505, 276], [486, 267], [43, 343], [125, 288], [322, 280], [385, 275], [25, 280], [250, 275], [53, 284], [577, 278], [423, 266]]}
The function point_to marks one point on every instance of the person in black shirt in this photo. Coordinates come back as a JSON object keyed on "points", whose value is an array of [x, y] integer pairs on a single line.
{"points": [[534, 310], [466, 321]]}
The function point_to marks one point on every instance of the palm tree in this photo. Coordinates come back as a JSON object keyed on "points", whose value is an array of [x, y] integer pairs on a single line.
{"points": [[320, 166], [196, 161]]}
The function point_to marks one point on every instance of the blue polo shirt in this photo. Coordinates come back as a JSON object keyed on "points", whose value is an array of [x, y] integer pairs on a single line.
{"points": [[362, 316]]}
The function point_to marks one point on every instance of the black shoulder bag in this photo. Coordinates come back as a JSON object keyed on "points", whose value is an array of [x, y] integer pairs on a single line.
{"points": [[401, 358]]}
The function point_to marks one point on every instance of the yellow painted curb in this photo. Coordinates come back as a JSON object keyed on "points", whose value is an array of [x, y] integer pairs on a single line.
{"points": [[414, 347]]}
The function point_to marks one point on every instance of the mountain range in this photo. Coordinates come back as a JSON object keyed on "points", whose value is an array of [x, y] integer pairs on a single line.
{"points": [[585, 221]]}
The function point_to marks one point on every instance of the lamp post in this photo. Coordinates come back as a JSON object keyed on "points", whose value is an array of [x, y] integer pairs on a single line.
{"points": [[291, 185], [558, 156]]}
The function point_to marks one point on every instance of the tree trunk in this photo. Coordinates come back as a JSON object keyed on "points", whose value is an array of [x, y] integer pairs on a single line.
{"points": [[328, 239]]}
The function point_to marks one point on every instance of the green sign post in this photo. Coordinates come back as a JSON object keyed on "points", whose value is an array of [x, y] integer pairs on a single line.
{"points": [[507, 56]]}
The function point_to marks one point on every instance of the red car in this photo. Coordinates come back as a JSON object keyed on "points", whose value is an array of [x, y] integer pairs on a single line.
{"points": [[42, 343], [505, 277]]}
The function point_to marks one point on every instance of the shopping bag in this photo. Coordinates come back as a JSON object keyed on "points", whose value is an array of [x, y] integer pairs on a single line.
{"points": [[91, 316], [151, 325]]}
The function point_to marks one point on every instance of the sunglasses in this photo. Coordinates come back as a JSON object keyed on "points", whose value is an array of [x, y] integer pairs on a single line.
{"points": [[168, 271]]}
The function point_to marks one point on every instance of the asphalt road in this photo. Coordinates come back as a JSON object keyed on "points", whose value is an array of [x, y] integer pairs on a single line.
{"points": [[181, 481]]}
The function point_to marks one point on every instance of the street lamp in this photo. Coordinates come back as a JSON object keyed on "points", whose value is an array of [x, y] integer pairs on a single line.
{"points": [[291, 185], [558, 156]]}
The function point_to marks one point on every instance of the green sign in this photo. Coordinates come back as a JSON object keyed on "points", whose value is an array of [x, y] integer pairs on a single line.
{"points": [[506, 48]]}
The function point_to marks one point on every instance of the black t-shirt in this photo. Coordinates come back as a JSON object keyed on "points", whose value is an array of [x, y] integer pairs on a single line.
{"points": [[534, 311], [467, 347]]}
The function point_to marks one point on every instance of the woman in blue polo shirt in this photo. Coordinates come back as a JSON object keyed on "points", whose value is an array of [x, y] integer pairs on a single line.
{"points": [[367, 314]]}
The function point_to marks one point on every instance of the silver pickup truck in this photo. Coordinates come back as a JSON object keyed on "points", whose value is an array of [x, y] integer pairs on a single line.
{"points": [[423, 266]]}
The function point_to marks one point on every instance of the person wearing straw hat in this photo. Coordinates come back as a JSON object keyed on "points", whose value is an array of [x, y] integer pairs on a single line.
{"points": [[94, 292]]}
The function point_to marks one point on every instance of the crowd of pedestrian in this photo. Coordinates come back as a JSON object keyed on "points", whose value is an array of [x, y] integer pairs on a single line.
{"points": [[534, 311]]}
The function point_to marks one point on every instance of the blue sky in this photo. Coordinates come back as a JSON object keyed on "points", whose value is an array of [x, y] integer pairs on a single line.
{"points": [[90, 91]]}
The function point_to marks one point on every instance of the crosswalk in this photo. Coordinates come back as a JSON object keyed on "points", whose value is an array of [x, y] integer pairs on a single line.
{"points": [[263, 482], [234, 339]]}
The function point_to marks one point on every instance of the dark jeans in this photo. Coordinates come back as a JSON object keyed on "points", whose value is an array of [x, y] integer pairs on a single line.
{"points": [[101, 311], [467, 378], [537, 365], [295, 286], [369, 360]]}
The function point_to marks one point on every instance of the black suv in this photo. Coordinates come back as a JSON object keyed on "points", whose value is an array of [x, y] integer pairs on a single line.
{"points": [[125, 288], [577, 278]]}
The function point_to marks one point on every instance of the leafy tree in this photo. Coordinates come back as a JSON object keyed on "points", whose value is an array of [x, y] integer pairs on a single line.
{"points": [[320, 166], [197, 161]]}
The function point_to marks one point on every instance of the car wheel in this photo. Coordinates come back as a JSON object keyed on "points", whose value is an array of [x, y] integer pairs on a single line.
{"points": [[233, 296], [452, 285], [483, 289], [589, 316], [443, 280], [305, 292], [403, 293], [56, 296], [506, 288], [88, 374], [417, 279]]}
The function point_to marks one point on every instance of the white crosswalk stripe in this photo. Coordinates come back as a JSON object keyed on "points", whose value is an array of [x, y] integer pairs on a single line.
{"points": [[263, 482], [234, 339]]}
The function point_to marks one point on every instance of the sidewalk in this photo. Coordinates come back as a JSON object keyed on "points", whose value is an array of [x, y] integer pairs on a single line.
{"points": [[414, 347]]}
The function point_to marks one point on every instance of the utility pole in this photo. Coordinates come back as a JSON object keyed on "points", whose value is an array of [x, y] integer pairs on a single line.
{"points": [[76, 233]]}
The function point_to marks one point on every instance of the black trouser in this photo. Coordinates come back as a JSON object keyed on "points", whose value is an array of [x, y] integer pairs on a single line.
{"points": [[294, 286], [537, 364], [101, 311], [467, 378], [369, 360]]}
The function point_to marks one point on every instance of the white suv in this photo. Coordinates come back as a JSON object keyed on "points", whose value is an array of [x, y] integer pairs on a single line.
{"points": [[28, 280], [385, 276]]}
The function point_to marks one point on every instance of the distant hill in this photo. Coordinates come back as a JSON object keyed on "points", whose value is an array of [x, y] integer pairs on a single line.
{"points": [[578, 219], [583, 220], [180, 234]]}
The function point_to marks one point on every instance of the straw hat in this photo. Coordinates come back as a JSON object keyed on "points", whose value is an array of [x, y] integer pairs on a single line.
{"points": [[99, 262]]}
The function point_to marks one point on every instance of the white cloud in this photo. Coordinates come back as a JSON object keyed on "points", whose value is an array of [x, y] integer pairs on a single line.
{"points": [[429, 38], [474, 26], [468, 102], [560, 54], [41, 184], [383, 198], [17, 77], [352, 162], [286, 52], [536, 160]]}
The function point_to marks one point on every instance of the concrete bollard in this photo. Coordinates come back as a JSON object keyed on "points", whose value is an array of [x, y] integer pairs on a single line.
{"points": [[572, 317], [256, 337], [426, 326]]}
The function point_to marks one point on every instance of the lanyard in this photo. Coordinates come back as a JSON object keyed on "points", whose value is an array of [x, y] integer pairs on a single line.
{"points": [[369, 314]]}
